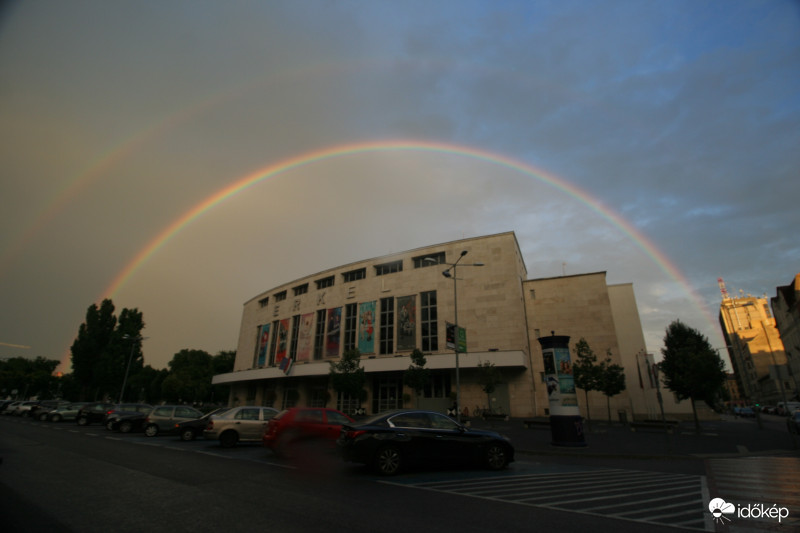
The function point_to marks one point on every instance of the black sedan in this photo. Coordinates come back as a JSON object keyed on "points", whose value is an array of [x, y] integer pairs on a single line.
{"points": [[391, 441], [190, 429]]}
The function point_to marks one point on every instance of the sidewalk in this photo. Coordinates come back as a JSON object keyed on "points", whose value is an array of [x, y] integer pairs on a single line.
{"points": [[727, 437]]}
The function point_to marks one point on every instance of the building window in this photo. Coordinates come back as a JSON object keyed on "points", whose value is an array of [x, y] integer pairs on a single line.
{"points": [[389, 268], [263, 302], [387, 326], [387, 394], [290, 397], [295, 334], [429, 260], [319, 396], [350, 322], [347, 404], [325, 282], [438, 386], [533, 294], [319, 335], [301, 289], [354, 275], [281, 296], [429, 322]]}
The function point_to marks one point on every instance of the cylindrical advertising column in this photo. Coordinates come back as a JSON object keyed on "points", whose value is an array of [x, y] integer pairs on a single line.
{"points": [[566, 424]]}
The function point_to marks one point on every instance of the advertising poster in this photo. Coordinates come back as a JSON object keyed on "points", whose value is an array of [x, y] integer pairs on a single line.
{"points": [[263, 342], [334, 332], [283, 336], [406, 322], [366, 327], [305, 336]]}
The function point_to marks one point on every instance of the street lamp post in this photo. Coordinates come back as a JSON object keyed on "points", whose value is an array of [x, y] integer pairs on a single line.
{"points": [[453, 276], [134, 340]]}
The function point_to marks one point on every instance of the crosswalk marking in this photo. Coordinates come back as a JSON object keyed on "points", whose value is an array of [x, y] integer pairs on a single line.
{"points": [[645, 497]]}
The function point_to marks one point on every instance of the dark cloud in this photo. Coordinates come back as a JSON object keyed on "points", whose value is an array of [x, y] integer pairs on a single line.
{"points": [[684, 118]]}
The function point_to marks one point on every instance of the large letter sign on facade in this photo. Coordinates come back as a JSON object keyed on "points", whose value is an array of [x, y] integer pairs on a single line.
{"points": [[566, 424]]}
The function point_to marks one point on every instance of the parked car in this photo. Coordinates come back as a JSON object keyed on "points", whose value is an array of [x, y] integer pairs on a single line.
{"points": [[163, 418], [291, 426], [745, 412], [391, 441], [40, 411], [11, 407], [123, 411], [65, 413], [4, 404], [793, 422], [22, 408], [190, 429], [93, 413], [240, 424]]}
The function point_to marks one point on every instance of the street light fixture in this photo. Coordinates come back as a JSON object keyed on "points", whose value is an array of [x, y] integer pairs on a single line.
{"points": [[453, 276], [134, 340]]}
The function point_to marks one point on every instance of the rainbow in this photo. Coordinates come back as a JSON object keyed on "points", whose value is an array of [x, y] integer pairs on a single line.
{"points": [[344, 150]]}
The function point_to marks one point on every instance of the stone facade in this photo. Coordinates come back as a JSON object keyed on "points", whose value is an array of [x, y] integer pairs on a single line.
{"points": [[502, 312]]}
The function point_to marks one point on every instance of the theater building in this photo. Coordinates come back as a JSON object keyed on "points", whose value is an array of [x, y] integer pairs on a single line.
{"points": [[388, 306]]}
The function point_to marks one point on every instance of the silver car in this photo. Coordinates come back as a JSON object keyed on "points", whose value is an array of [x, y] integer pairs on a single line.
{"points": [[164, 417], [245, 424]]}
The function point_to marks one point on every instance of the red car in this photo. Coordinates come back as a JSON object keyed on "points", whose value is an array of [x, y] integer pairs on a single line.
{"points": [[298, 426]]}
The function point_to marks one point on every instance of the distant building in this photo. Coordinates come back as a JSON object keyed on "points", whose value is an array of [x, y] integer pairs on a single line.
{"points": [[754, 346], [386, 307], [786, 308]]}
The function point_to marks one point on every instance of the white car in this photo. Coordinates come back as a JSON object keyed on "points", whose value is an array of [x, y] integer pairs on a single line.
{"points": [[240, 424]]}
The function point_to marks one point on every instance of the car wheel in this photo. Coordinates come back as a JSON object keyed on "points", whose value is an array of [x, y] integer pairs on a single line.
{"points": [[496, 457], [82, 421], [388, 461], [229, 439], [55, 418], [151, 430], [125, 427], [187, 434]]}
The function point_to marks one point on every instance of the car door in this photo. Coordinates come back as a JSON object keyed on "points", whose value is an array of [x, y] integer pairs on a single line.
{"points": [[248, 423], [452, 443], [413, 434]]}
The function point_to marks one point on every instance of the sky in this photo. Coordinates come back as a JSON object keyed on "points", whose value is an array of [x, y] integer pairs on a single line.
{"points": [[182, 157]]}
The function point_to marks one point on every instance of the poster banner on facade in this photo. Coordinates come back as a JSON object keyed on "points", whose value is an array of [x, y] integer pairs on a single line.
{"points": [[406, 322], [366, 327], [263, 343], [283, 336], [305, 336], [334, 332], [560, 381]]}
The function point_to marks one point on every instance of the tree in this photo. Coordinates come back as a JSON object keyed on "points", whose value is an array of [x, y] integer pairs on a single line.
{"points": [[692, 369], [100, 352], [29, 378], [586, 372], [416, 377], [488, 378], [347, 376], [611, 381], [190, 375]]}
